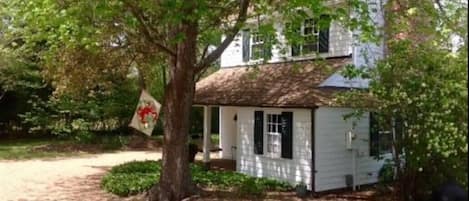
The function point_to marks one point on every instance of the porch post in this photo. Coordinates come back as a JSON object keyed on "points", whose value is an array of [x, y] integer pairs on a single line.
{"points": [[207, 135]]}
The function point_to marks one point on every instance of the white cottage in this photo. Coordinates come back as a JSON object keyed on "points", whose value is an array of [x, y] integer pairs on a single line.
{"points": [[280, 119]]}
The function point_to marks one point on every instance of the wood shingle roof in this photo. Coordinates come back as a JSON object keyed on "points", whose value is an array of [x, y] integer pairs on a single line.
{"points": [[289, 84]]}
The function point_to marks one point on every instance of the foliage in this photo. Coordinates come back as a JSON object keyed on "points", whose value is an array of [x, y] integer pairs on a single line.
{"points": [[420, 90], [23, 149], [20, 81], [386, 173], [139, 176], [66, 116]]}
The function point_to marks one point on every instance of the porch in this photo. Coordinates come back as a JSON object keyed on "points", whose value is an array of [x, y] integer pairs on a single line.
{"points": [[222, 155]]}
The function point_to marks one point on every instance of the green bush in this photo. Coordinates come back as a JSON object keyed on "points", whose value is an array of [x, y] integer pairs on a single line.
{"points": [[85, 137], [386, 173], [129, 183], [138, 176], [113, 142]]}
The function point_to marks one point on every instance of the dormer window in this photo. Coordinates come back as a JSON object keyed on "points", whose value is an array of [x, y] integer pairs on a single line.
{"points": [[314, 38], [255, 46]]}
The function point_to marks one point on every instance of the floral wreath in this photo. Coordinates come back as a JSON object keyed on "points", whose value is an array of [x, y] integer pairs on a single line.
{"points": [[147, 113]]}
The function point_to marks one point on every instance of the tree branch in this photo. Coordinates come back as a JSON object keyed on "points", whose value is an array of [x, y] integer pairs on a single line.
{"points": [[440, 6], [204, 52], [230, 35], [146, 30]]}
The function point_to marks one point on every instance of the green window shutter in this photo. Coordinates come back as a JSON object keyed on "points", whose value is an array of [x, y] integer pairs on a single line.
{"points": [[287, 134], [324, 34], [258, 132], [374, 134], [246, 44]]}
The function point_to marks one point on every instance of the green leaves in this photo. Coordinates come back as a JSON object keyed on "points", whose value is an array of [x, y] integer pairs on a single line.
{"points": [[138, 176]]}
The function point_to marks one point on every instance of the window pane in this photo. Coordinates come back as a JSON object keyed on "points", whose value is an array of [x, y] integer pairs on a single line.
{"points": [[308, 30], [276, 149], [385, 143], [310, 48], [257, 51]]}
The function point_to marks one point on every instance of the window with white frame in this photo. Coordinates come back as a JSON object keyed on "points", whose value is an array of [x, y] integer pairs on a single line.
{"points": [[310, 34], [380, 137], [273, 135], [313, 37], [257, 46]]}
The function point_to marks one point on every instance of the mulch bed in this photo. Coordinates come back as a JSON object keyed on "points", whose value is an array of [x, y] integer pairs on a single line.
{"points": [[365, 194]]}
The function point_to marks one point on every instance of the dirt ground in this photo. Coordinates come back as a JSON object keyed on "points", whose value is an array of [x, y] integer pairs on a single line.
{"points": [[78, 179], [62, 179]]}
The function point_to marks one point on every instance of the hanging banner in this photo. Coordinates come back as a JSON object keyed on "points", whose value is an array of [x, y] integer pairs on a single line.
{"points": [[147, 113]]}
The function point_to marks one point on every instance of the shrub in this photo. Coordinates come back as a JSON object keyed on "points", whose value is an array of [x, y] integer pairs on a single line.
{"points": [[113, 142], [251, 187], [85, 137], [386, 173], [129, 183], [131, 178], [138, 176]]}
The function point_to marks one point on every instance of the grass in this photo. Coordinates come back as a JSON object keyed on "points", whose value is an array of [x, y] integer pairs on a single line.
{"points": [[139, 176], [51, 147], [20, 149]]}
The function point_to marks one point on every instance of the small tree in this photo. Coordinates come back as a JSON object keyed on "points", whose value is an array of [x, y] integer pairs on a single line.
{"points": [[420, 90]]}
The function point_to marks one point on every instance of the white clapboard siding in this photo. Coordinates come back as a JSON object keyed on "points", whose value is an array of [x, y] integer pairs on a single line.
{"points": [[228, 132], [293, 170], [340, 44], [333, 160]]}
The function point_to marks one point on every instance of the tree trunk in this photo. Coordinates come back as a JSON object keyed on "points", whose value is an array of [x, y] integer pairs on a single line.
{"points": [[175, 180]]}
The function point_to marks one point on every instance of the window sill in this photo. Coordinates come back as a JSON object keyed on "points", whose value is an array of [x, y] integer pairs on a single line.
{"points": [[257, 62], [273, 157], [310, 56]]}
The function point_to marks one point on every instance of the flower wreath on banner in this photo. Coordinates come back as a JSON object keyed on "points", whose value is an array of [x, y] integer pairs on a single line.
{"points": [[147, 113]]}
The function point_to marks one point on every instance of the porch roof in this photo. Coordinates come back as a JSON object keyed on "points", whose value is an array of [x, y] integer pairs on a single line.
{"points": [[290, 84]]}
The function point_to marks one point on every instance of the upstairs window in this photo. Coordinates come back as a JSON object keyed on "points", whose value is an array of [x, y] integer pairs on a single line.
{"points": [[312, 37], [255, 46]]}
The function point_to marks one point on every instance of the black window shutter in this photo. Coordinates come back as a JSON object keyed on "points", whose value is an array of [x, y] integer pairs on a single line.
{"points": [[287, 135], [324, 35], [258, 132], [267, 47], [374, 134], [246, 44]]}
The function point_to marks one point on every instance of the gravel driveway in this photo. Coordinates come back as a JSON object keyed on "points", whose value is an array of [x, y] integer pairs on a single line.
{"points": [[62, 179]]}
